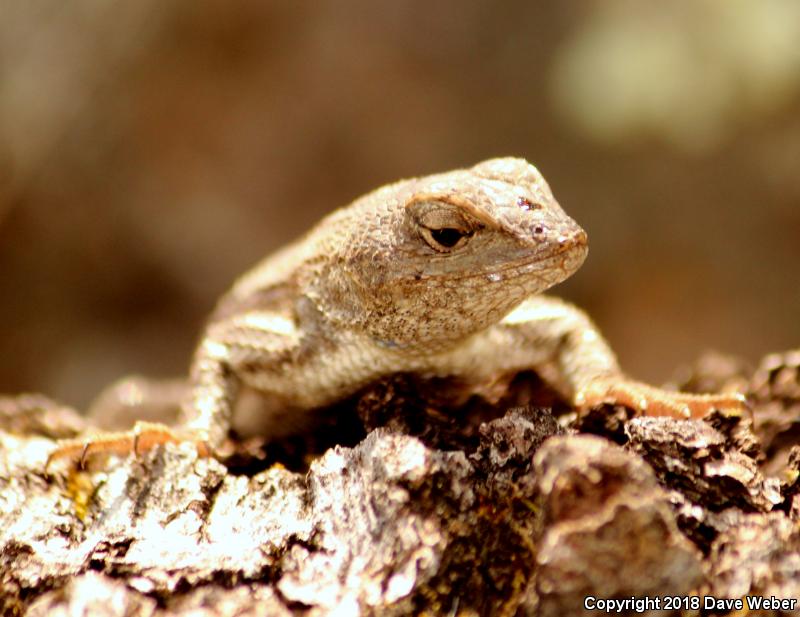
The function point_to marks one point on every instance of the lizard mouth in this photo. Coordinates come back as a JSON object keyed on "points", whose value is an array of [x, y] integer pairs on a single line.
{"points": [[550, 264], [545, 272], [567, 256]]}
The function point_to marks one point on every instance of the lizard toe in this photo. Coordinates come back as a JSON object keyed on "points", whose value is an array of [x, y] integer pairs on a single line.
{"points": [[142, 438], [652, 401]]}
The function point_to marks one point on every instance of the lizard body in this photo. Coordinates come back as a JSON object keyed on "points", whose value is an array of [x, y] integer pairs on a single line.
{"points": [[439, 275]]}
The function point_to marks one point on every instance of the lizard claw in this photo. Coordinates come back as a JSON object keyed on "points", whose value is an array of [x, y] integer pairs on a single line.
{"points": [[652, 401], [143, 437]]}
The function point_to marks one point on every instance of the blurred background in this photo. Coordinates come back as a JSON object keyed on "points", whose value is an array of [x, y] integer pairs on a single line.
{"points": [[152, 151]]}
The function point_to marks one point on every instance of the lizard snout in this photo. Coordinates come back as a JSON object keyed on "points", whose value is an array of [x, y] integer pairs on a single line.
{"points": [[577, 238], [573, 239]]}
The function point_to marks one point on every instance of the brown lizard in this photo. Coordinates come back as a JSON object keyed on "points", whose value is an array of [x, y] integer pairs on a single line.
{"points": [[439, 275]]}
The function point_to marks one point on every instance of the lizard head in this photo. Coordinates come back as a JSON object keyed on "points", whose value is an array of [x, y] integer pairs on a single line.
{"points": [[443, 256], [497, 222]]}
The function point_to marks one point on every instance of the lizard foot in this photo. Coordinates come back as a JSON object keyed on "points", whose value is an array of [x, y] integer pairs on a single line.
{"points": [[143, 437], [651, 401]]}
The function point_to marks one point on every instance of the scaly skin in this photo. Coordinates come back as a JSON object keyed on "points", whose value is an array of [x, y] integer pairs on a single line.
{"points": [[438, 275]]}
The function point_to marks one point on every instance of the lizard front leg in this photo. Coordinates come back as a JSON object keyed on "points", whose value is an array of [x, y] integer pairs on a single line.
{"points": [[259, 341], [561, 341]]}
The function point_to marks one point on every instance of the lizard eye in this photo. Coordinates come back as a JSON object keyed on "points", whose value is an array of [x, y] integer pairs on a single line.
{"points": [[445, 239], [444, 227]]}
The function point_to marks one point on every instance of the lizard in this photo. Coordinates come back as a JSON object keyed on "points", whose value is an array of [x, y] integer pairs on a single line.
{"points": [[439, 275]]}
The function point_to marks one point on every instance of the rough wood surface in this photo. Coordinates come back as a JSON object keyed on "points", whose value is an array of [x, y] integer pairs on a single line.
{"points": [[493, 512]]}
